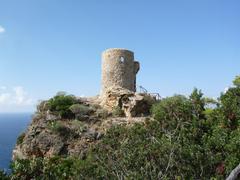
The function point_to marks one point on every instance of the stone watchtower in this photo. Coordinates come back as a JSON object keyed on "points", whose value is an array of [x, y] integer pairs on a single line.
{"points": [[118, 70]]}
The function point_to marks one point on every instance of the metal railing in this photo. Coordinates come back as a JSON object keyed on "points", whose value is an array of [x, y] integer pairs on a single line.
{"points": [[143, 90]]}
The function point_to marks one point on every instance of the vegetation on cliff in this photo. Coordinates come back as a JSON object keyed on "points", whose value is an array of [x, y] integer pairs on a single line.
{"points": [[184, 138]]}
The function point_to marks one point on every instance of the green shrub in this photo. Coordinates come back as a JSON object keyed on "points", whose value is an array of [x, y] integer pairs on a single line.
{"points": [[56, 168], [236, 81], [198, 104], [20, 138], [230, 107], [61, 103], [172, 111], [80, 110], [59, 128], [3, 175], [27, 169], [118, 112], [102, 113], [78, 126]]}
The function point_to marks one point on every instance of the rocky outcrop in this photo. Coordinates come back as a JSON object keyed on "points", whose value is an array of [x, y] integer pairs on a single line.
{"points": [[49, 135], [132, 104]]}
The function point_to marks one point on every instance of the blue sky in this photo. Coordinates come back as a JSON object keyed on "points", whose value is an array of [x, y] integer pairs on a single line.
{"points": [[55, 45]]}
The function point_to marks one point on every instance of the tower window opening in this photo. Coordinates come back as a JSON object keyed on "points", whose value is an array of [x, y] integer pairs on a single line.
{"points": [[122, 59]]}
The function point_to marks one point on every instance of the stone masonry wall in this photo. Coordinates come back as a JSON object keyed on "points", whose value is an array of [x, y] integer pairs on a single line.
{"points": [[118, 70]]}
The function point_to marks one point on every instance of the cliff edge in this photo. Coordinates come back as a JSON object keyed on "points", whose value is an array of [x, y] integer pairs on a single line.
{"points": [[67, 125]]}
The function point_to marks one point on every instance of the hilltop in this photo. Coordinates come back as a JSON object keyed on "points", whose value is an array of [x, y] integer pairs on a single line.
{"points": [[182, 138], [67, 125]]}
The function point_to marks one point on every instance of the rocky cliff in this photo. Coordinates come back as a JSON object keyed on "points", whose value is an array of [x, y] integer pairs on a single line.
{"points": [[67, 126]]}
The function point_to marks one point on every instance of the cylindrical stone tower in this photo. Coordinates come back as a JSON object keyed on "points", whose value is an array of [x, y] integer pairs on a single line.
{"points": [[118, 69]]}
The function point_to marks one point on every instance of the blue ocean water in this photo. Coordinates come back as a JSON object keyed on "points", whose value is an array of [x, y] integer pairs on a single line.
{"points": [[11, 126]]}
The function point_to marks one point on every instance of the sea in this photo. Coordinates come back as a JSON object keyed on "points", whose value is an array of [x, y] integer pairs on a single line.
{"points": [[11, 126]]}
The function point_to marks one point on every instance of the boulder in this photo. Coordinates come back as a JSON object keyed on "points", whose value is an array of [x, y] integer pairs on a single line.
{"points": [[138, 105], [41, 145], [52, 117], [133, 104]]}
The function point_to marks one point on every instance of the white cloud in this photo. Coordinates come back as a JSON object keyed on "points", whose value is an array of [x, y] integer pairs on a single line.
{"points": [[21, 97], [2, 30], [4, 97], [15, 96]]}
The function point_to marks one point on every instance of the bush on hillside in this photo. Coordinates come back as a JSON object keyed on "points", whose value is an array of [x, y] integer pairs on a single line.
{"points": [[78, 127], [20, 138], [102, 113], [236, 81], [3, 175], [170, 112], [230, 107], [61, 103], [80, 110], [62, 130], [117, 112]]}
